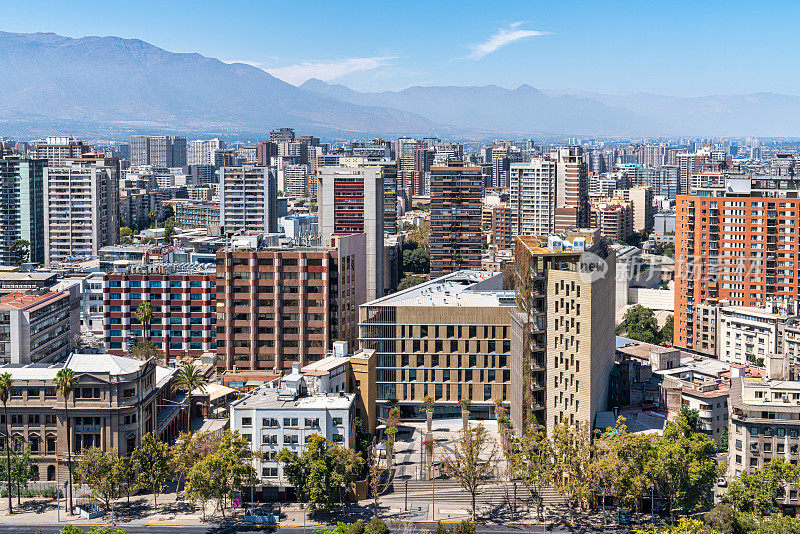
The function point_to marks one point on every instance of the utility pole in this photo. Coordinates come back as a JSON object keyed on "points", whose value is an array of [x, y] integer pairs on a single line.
{"points": [[406, 502]]}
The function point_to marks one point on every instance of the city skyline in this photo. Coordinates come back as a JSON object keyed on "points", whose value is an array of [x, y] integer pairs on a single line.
{"points": [[607, 48]]}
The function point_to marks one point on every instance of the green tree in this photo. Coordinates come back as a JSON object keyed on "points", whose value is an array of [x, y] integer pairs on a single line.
{"points": [[665, 249], [319, 473], [5, 392], [222, 474], [416, 260], [152, 462], [692, 418], [169, 230], [723, 440], [65, 381], [472, 461], [190, 378], [190, 449], [20, 251], [760, 491], [153, 216], [144, 314], [144, 350], [625, 461], [529, 461], [666, 333], [684, 526], [572, 463], [640, 323], [410, 281], [104, 473], [125, 235], [167, 213], [21, 466], [686, 470]]}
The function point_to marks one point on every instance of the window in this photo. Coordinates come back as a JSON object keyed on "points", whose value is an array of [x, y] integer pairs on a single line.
{"points": [[33, 392], [338, 438], [269, 471], [247, 421], [312, 423], [128, 393], [337, 421], [290, 421], [269, 422], [291, 439]]}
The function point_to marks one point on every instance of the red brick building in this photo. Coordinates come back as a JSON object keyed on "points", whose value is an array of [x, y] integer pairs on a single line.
{"points": [[278, 306], [184, 301]]}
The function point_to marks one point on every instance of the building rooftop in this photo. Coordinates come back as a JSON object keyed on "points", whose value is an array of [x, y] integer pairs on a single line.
{"points": [[82, 363], [30, 275], [26, 301], [461, 288], [266, 398], [324, 366]]}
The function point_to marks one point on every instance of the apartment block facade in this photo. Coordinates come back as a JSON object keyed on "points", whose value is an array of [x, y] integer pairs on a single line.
{"points": [[572, 188], [532, 199], [38, 326], [741, 246], [351, 200], [248, 199], [279, 306], [456, 193], [563, 339], [81, 212], [447, 338], [184, 301], [22, 216]]}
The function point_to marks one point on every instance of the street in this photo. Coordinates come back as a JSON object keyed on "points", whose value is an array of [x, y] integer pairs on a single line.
{"points": [[216, 529]]}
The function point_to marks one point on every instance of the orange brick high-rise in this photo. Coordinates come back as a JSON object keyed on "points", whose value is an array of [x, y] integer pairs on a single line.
{"points": [[740, 243]]}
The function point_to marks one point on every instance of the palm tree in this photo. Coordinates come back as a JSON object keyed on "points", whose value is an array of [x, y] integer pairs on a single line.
{"points": [[5, 392], [144, 314], [65, 382], [190, 378]]}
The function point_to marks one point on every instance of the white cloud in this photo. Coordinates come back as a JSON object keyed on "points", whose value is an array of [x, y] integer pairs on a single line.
{"points": [[503, 37], [326, 70]]}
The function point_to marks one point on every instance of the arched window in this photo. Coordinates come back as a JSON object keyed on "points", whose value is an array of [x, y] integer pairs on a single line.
{"points": [[51, 473], [50, 442], [17, 442], [34, 475]]}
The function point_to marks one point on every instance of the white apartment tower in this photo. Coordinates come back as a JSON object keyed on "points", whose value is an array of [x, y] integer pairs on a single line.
{"points": [[201, 151], [80, 208], [248, 199]]}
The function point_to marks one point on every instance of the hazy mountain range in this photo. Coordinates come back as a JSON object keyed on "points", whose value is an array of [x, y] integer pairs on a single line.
{"points": [[112, 86]]}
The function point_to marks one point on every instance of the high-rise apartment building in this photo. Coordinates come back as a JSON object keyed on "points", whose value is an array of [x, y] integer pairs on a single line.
{"points": [[201, 151], [184, 301], [350, 198], [447, 339], [456, 191], [410, 165], [81, 213], [281, 134], [22, 216], [161, 152], [532, 198], [284, 305], [613, 217], [641, 199], [56, 150], [38, 326], [265, 152], [248, 199], [562, 339], [572, 188], [740, 243]]}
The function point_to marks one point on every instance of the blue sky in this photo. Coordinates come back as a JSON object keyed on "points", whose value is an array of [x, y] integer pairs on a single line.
{"points": [[666, 47]]}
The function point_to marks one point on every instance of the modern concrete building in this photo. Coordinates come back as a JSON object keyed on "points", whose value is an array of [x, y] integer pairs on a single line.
{"points": [[455, 242], [22, 216], [447, 339], [613, 217], [162, 152], [563, 338], [57, 150], [641, 199], [572, 188], [184, 301], [80, 208], [283, 305], [351, 199], [201, 151], [746, 335], [532, 199], [38, 326], [248, 199]]}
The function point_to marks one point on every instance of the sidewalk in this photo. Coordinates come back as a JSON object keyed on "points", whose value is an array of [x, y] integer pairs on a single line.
{"points": [[140, 512]]}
